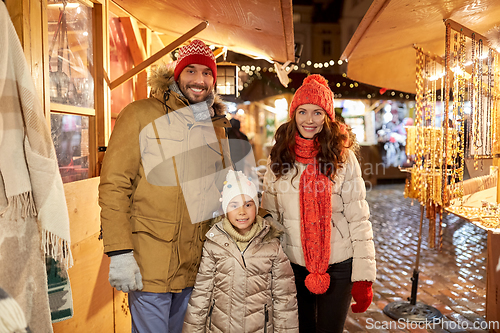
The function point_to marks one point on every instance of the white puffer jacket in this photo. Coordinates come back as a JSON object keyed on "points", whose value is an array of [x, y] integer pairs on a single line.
{"points": [[351, 236]]}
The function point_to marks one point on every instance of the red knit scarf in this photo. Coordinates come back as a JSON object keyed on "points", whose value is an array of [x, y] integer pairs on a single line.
{"points": [[315, 216]]}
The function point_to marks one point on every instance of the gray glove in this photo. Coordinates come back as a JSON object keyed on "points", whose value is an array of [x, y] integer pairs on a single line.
{"points": [[124, 273]]}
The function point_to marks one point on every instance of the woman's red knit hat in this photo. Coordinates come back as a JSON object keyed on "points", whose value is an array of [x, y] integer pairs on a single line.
{"points": [[314, 90]]}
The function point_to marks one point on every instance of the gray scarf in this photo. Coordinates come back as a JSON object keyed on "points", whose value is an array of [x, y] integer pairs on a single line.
{"points": [[201, 111]]}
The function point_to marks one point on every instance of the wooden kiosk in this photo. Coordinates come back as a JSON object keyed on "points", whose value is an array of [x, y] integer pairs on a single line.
{"points": [[88, 60]]}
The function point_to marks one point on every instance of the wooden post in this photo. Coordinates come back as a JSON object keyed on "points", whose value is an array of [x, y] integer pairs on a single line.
{"points": [[30, 20], [100, 136]]}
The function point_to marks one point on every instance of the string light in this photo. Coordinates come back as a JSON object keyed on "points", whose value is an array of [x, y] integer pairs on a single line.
{"points": [[255, 72]]}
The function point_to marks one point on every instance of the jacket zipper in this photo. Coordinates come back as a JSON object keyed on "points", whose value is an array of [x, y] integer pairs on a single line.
{"points": [[210, 314], [266, 318]]}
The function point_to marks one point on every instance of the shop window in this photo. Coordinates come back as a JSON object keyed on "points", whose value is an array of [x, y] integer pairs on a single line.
{"points": [[70, 134], [71, 84], [327, 47], [70, 53]]}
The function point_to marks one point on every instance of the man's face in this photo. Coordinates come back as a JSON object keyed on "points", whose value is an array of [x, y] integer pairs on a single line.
{"points": [[196, 82]]}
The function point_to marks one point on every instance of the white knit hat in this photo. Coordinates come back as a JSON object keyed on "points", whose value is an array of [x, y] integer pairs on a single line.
{"points": [[236, 184]]}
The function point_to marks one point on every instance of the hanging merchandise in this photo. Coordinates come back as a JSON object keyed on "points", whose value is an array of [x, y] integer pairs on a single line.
{"points": [[33, 214], [456, 119]]}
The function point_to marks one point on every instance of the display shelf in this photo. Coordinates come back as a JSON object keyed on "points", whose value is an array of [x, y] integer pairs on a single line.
{"points": [[479, 209]]}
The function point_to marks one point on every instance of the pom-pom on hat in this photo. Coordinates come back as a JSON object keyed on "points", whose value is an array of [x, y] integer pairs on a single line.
{"points": [[195, 52], [314, 90], [237, 184]]}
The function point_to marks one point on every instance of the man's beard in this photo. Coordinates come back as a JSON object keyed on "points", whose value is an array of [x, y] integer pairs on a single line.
{"points": [[189, 95]]}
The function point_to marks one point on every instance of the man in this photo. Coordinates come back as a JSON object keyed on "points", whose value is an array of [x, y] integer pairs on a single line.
{"points": [[240, 148], [160, 182]]}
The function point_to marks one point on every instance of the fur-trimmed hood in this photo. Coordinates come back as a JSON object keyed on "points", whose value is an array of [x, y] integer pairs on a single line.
{"points": [[161, 79]]}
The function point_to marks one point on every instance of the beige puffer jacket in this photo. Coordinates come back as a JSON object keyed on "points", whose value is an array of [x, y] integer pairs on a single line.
{"points": [[351, 236], [249, 291]]}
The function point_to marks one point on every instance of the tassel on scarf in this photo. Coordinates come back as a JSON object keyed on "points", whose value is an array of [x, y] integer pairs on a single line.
{"points": [[57, 248], [21, 206]]}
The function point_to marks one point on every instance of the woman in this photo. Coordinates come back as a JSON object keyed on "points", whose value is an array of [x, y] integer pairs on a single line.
{"points": [[313, 186]]}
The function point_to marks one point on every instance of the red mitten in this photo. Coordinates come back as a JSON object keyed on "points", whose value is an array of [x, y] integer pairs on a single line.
{"points": [[363, 294]]}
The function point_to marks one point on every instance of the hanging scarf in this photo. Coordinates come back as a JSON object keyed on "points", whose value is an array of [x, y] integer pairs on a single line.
{"points": [[28, 164], [315, 216]]}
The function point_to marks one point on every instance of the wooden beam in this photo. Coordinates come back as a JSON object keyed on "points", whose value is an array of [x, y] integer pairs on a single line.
{"points": [[29, 18], [139, 53], [134, 39], [220, 51], [102, 123], [466, 31], [376, 8], [167, 49], [433, 56]]}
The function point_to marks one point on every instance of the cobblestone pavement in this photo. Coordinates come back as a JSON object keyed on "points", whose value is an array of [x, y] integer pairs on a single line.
{"points": [[453, 280]]}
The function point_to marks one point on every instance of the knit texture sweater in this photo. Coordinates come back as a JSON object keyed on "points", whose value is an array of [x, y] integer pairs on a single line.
{"points": [[242, 240]]}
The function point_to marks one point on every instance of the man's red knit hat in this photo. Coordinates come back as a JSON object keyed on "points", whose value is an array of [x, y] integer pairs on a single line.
{"points": [[195, 53], [314, 90]]}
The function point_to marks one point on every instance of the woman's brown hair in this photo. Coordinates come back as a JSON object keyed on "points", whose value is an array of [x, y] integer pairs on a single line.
{"points": [[331, 143]]}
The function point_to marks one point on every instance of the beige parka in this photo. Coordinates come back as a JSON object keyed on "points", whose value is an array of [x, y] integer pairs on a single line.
{"points": [[155, 177], [243, 291]]}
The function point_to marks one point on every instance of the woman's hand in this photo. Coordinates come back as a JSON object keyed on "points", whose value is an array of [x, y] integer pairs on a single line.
{"points": [[363, 294]]}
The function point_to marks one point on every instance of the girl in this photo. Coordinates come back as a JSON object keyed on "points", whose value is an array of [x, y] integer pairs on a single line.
{"points": [[245, 282], [313, 186]]}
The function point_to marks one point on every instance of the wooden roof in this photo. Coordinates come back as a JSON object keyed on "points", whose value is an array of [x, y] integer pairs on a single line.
{"points": [[258, 28], [381, 51]]}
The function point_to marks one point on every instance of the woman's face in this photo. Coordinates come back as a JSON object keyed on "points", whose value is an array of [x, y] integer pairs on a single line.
{"points": [[309, 119]]}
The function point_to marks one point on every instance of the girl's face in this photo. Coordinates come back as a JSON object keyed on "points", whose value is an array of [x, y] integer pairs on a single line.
{"points": [[309, 119], [241, 213]]}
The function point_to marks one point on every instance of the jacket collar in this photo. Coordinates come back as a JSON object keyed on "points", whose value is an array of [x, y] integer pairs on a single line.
{"points": [[268, 231]]}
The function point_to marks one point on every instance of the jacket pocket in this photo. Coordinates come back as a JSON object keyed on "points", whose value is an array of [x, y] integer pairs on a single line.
{"points": [[165, 231], [159, 203], [158, 149], [152, 241]]}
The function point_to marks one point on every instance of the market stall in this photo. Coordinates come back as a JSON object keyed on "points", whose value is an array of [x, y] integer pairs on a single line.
{"points": [[447, 54], [83, 56]]}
